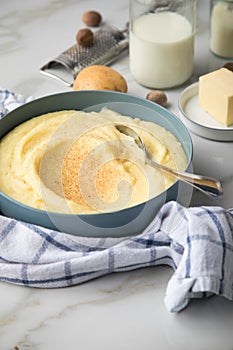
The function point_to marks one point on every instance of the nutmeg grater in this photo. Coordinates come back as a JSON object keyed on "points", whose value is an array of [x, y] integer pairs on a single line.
{"points": [[109, 42]]}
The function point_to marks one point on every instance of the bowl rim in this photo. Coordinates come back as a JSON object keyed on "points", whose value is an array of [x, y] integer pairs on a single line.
{"points": [[107, 92]]}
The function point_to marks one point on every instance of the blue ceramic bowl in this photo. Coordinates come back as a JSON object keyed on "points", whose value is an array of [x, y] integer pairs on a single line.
{"points": [[129, 221]]}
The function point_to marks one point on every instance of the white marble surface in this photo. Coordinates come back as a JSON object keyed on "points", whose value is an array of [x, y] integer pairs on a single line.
{"points": [[125, 310]]}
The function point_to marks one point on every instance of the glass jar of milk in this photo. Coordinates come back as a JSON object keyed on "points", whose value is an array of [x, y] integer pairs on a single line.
{"points": [[221, 28], [161, 41]]}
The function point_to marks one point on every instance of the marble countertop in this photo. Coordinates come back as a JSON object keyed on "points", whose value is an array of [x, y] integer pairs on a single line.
{"points": [[124, 310]]}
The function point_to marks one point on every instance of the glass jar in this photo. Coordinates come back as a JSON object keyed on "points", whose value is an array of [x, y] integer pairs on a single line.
{"points": [[221, 28], [161, 41]]}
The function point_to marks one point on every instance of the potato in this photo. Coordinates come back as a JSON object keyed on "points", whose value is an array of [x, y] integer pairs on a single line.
{"points": [[99, 77]]}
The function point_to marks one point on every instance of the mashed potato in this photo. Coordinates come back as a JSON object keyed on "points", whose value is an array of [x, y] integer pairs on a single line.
{"points": [[77, 162]]}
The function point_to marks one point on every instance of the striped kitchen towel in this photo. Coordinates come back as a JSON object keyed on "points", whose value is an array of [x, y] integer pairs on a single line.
{"points": [[196, 242], [10, 101]]}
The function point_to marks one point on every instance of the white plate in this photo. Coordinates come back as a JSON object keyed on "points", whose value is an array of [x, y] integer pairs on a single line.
{"points": [[197, 120]]}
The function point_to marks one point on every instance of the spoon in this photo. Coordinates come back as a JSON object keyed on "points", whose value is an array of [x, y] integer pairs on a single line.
{"points": [[207, 185]]}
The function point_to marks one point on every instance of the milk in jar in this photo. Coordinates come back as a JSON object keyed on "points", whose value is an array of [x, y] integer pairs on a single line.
{"points": [[161, 49], [221, 28]]}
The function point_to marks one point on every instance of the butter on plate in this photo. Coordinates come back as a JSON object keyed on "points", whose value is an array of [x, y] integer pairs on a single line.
{"points": [[216, 95]]}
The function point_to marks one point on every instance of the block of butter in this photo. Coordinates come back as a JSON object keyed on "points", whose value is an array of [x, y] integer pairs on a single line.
{"points": [[216, 95]]}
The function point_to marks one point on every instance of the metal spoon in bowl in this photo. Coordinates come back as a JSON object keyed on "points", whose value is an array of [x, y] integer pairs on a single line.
{"points": [[207, 185]]}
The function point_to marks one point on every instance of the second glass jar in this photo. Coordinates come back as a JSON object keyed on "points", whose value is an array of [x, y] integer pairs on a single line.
{"points": [[161, 46], [221, 28]]}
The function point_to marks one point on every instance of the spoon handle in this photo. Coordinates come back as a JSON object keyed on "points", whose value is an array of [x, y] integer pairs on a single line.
{"points": [[207, 185]]}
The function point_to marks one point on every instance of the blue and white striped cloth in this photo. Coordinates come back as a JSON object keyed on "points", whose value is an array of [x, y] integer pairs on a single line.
{"points": [[10, 101], [196, 242]]}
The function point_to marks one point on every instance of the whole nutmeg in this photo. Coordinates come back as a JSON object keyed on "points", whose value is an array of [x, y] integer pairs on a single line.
{"points": [[158, 97], [92, 18], [228, 65], [85, 37]]}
